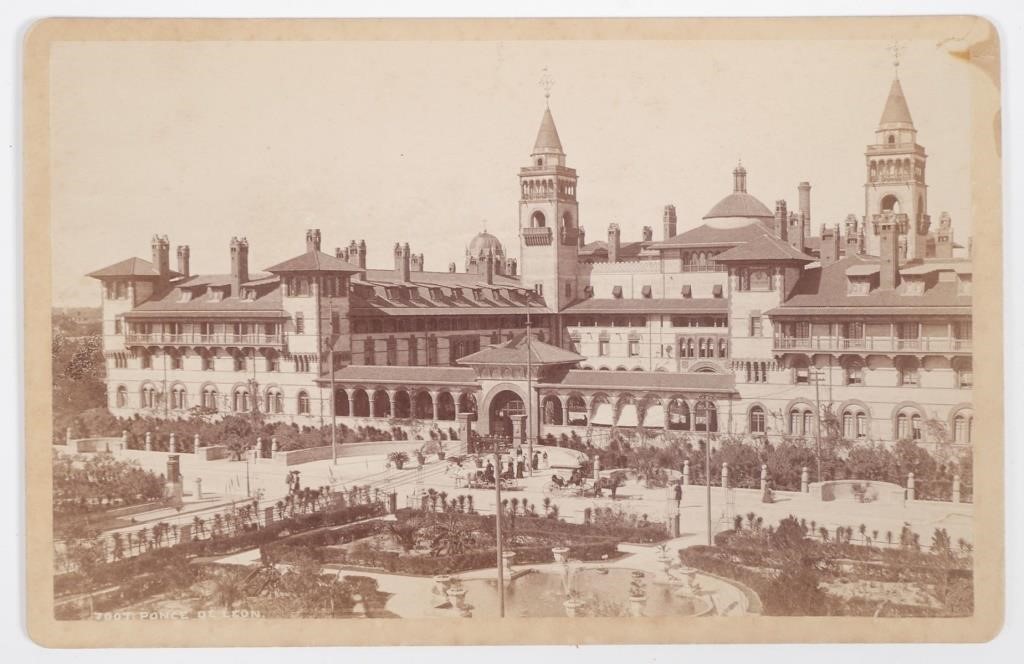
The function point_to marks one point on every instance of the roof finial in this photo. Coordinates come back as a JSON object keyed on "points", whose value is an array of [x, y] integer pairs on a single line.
{"points": [[896, 49], [546, 83]]}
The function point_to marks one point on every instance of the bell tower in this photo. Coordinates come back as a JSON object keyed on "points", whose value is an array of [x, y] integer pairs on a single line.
{"points": [[549, 217], [895, 183]]}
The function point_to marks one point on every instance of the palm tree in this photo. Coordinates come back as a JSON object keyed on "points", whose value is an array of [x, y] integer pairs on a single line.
{"points": [[863, 532]]}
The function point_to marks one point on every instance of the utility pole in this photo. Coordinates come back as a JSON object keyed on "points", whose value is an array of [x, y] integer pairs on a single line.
{"points": [[334, 414], [817, 411], [497, 527], [529, 385]]}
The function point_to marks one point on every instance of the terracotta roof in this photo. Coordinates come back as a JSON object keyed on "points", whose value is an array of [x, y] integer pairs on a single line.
{"points": [[643, 306], [707, 235], [130, 267], [403, 375], [547, 136], [766, 247], [627, 250], [266, 304], [650, 380], [445, 279], [896, 110], [826, 288], [515, 351], [739, 204], [314, 261]]}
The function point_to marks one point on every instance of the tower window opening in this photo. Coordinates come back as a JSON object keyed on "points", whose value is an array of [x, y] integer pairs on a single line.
{"points": [[892, 139]]}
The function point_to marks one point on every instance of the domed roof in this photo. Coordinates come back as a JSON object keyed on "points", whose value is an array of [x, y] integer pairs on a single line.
{"points": [[484, 242], [739, 204]]}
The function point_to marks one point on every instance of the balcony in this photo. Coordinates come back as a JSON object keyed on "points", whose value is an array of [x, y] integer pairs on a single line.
{"points": [[534, 237], [197, 339], [873, 344]]}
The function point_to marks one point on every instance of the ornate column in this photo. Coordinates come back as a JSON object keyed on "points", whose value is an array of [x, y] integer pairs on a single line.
{"points": [[433, 400]]}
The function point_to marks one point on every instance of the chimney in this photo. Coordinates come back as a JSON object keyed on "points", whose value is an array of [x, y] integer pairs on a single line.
{"points": [[582, 238], [488, 262], [402, 260], [451, 267], [648, 234], [162, 256], [416, 264], [341, 253], [944, 237], [313, 240], [614, 235], [183, 254], [829, 252], [781, 219], [239, 264], [796, 231], [805, 204], [853, 237], [357, 253], [889, 276], [668, 222]]}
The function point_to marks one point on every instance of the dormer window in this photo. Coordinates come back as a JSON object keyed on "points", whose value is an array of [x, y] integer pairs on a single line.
{"points": [[687, 291], [617, 292], [716, 290], [588, 291], [456, 293], [185, 295], [646, 291], [216, 295], [858, 286], [478, 294], [435, 294], [963, 286]]}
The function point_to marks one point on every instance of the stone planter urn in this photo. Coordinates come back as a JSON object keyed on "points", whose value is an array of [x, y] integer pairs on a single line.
{"points": [[506, 559], [573, 607], [689, 574], [561, 553], [457, 597], [636, 605], [399, 464], [441, 583]]}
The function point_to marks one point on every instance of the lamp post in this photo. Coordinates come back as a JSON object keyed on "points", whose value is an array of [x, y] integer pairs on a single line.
{"points": [[497, 527]]}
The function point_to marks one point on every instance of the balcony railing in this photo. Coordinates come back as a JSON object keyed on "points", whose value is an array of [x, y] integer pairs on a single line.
{"points": [[707, 267], [533, 237], [195, 338], [871, 344]]}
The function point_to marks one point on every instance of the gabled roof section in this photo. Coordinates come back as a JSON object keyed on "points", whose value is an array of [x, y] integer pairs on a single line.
{"points": [[130, 267], [766, 248], [516, 350], [172, 303], [896, 110], [314, 261], [627, 250], [708, 235], [824, 290]]}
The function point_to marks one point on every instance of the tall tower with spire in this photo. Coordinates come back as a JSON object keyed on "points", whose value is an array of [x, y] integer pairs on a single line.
{"points": [[549, 217], [895, 187]]}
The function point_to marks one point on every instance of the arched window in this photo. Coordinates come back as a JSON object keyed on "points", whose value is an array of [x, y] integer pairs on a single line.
{"points": [[678, 415], [178, 398], [808, 422], [892, 139], [121, 398], [148, 396], [303, 402], [862, 425], [576, 410], [537, 219], [849, 426], [962, 428], [757, 424], [705, 416], [240, 400], [902, 427], [721, 348], [210, 397], [855, 372], [275, 401], [796, 423], [915, 427]]}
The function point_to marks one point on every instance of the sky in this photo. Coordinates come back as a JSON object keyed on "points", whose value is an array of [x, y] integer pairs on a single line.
{"points": [[421, 142]]}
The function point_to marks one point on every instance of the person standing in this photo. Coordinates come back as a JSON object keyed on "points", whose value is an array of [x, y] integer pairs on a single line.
{"points": [[679, 494]]}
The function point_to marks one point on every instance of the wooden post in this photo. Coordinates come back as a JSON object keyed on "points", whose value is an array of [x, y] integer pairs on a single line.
{"points": [[910, 486], [805, 480]]}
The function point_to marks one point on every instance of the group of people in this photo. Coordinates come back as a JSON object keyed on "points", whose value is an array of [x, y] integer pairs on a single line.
{"points": [[576, 478]]}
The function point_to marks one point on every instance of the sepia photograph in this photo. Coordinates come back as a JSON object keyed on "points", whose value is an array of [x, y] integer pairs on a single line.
{"points": [[525, 324]]}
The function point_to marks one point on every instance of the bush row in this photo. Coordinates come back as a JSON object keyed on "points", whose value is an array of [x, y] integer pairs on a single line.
{"points": [[116, 572]]}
